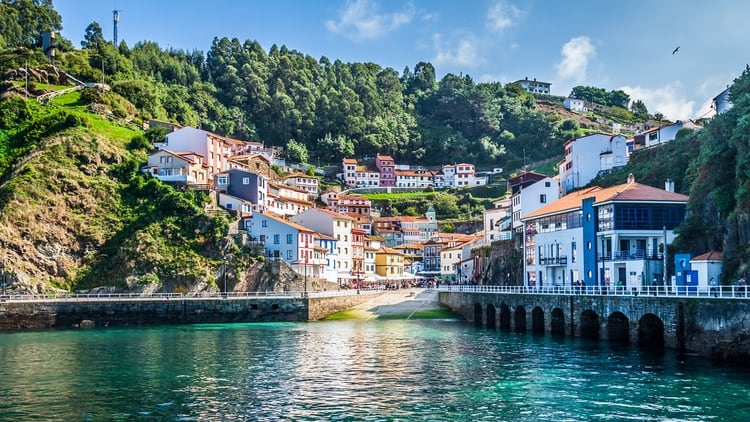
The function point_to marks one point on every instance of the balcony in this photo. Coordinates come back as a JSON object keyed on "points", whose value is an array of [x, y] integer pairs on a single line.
{"points": [[554, 261], [633, 255]]}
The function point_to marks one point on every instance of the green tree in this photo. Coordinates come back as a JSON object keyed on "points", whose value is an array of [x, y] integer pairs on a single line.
{"points": [[93, 37], [22, 22], [295, 152]]}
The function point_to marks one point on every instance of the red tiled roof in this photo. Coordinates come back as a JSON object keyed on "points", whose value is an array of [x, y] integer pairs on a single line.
{"points": [[709, 256], [635, 192]]}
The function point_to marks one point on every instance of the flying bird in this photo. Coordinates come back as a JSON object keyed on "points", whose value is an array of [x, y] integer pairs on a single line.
{"points": [[676, 50]]}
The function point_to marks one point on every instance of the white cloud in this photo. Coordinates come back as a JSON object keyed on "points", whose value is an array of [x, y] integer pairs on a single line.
{"points": [[576, 54], [502, 15], [668, 100], [360, 20], [465, 52]]}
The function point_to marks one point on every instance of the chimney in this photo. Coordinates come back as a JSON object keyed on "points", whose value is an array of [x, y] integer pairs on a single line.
{"points": [[669, 185], [631, 178]]}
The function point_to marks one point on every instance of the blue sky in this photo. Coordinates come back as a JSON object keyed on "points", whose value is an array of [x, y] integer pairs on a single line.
{"points": [[608, 44]]}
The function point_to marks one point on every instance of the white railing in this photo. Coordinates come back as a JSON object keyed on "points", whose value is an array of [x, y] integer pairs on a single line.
{"points": [[114, 297], [721, 292]]}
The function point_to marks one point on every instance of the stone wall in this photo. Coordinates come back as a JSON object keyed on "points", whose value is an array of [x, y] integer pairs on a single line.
{"points": [[321, 307], [101, 313], [128, 312], [713, 327]]}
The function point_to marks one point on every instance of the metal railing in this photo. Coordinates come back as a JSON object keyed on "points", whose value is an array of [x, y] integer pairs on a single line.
{"points": [[720, 292], [125, 297]]}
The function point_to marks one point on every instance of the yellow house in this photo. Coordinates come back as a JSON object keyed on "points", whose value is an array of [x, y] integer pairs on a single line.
{"points": [[389, 263]]}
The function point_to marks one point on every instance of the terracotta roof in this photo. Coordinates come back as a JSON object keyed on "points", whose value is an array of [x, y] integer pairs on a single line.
{"points": [[350, 161], [627, 192], [709, 256], [329, 212], [391, 251], [287, 222]]}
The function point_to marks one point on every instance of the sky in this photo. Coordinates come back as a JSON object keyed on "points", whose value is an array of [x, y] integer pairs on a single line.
{"points": [[625, 45]]}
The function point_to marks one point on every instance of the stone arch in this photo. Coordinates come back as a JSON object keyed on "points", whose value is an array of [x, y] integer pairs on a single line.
{"points": [[618, 327], [537, 320], [589, 324], [477, 315], [557, 323], [520, 319], [491, 316], [651, 331], [504, 317]]}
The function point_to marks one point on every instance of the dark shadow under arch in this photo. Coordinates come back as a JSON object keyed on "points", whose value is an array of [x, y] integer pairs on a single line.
{"points": [[520, 319], [477, 315], [491, 315], [618, 328], [651, 332], [589, 324], [557, 323], [537, 320], [504, 317]]}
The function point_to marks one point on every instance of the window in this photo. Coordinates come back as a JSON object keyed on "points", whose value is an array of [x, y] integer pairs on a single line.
{"points": [[245, 180], [276, 239], [547, 184], [264, 223], [222, 180], [543, 198], [289, 239], [289, 254]]}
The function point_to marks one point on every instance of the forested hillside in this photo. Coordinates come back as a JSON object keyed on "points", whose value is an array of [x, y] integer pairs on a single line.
{"points": [[72, 204], [711, 165]]}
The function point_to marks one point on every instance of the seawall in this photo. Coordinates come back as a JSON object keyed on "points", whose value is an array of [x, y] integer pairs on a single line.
{"points": [[70, 312], [717, 328]]}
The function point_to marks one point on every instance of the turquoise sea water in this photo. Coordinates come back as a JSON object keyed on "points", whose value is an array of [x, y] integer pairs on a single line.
{"points": [[353, 370]]}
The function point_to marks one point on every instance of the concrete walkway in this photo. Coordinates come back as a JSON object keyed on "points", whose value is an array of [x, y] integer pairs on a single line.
{"points": [[397, 303]]}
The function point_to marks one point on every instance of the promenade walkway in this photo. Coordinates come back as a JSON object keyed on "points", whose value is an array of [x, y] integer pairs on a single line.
{"points": [[721, 292]]}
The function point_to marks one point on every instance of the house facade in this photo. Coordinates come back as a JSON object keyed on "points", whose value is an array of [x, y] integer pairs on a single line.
{"points": [[611, 238], [387, 168], [283, 239], [575, 104], [245, 186], [339, 227], [185, 168], [531, 193], [533, 86], [589, 155]]}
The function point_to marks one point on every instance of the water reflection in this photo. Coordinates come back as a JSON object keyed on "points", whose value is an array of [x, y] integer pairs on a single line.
{"points": [[351, 370]]}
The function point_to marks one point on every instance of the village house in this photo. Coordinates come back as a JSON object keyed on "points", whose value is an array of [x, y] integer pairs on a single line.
{"points": [[529, 192], [285, 240], [241, 191], [606, 237], [182, 168], [338, 226], [587, 156], [306, 182], [386, 167]]}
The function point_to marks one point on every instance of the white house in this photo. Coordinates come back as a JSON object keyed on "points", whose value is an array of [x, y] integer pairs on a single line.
{"points": [[535, 87], [461, 175], [531, 194], [284, 239], [585, 157], [177, 167], [338, 226], [215, 149], [708, 265], [611, 238], [659, 135], [575, 104], [498, 221]]}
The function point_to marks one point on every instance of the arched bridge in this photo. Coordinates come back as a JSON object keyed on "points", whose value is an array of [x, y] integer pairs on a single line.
{"points": [[689, 322]]}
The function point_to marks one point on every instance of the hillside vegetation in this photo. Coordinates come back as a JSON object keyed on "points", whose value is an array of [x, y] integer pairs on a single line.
{"points": [[76, 212]]}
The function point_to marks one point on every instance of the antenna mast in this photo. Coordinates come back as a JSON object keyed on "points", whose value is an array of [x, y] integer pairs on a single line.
{"points": [[116, 20]]}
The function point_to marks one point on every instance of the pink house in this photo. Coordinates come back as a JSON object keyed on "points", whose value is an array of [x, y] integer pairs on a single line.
{"points": [[387, 168]]}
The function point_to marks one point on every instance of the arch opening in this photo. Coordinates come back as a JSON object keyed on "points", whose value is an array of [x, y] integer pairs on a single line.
{"points": [[618, 328], [520, 319], [557, 323], [651, 332], [537, 320], [491, 315], [589, 325], [504, 317], [477, 315]]}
